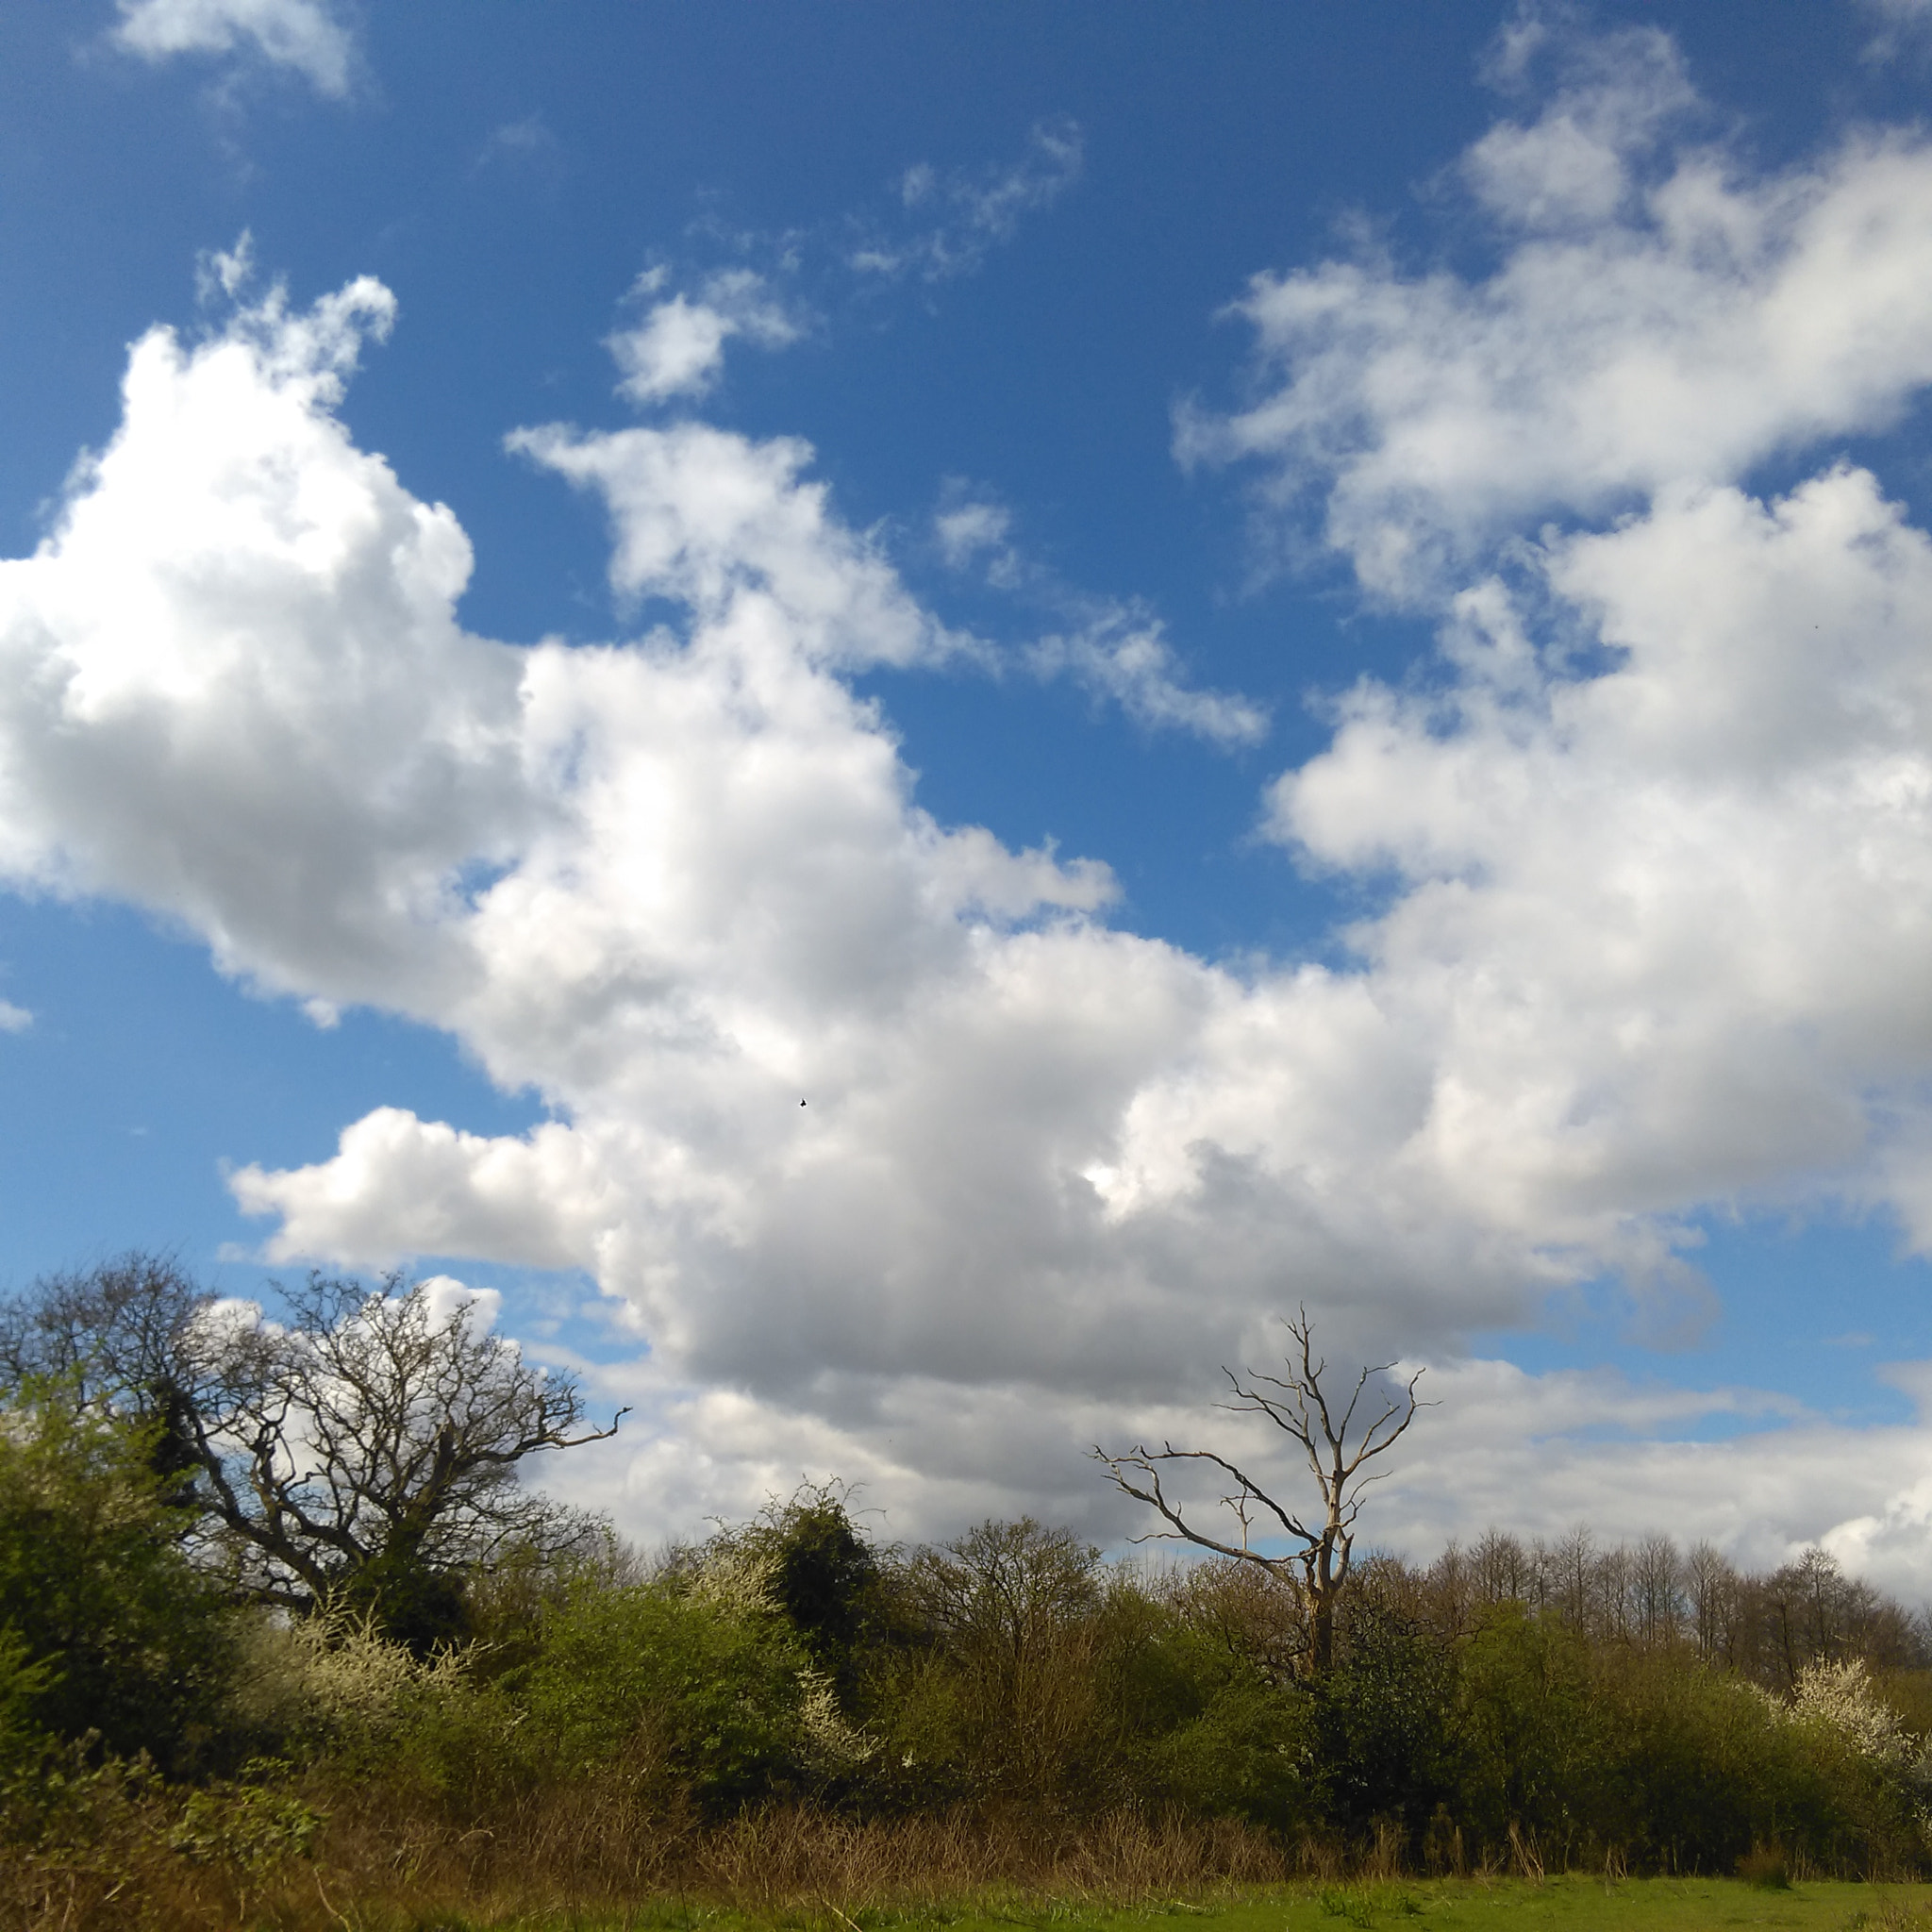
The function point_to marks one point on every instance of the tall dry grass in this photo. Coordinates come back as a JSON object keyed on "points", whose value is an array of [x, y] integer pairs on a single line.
{"points": [[372, 1871]]}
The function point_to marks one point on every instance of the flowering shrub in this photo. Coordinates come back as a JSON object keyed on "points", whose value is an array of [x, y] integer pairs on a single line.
{"points": [[335, 1677], [1842, 1699]]}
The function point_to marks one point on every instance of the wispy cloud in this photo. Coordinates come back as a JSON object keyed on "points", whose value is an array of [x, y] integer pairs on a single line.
{"points": [[773, 289], [1124, 654], [528, 146], [1116, 649], [1899, 24], [948, 222]]}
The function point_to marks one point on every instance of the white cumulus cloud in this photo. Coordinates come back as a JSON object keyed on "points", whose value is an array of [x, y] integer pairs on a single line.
{"points": [[305, 36], [678, 348], [1657, 318]]}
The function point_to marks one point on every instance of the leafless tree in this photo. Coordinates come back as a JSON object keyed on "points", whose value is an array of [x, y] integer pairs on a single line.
{"points": [[1659, 1589], [1299, 1406], [1502, 1568], [1714, 1589], [365, 1445], [1570, 1562]]}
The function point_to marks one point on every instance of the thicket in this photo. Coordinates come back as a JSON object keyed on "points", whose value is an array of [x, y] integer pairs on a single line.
{"points": [[793, 1708]]}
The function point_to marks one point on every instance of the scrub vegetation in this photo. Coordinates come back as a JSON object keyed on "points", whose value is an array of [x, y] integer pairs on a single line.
{"points": [[282, 1641]]}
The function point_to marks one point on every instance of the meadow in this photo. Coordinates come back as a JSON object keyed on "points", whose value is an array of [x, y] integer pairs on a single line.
{"points": [[1585, 1905]]}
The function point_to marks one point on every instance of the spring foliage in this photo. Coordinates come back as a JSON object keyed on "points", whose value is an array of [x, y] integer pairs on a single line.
{"points": [[1523, 1705]]}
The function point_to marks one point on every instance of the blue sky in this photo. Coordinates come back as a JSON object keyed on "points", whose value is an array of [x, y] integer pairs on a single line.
{"points": [[1274, 657]]}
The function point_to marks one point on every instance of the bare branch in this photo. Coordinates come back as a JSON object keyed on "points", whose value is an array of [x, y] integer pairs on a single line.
{"points": [[1338, 1452]]}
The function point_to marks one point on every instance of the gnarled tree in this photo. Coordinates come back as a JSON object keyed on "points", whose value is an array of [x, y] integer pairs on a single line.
{"points": [[365, 1447], [1318, 1565]]}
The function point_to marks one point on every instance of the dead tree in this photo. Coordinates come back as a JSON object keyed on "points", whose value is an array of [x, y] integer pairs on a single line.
{"points": [[1299, 1406]]}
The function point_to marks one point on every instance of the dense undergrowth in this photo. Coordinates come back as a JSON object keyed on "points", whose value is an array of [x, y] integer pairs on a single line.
{"points": [[790, 1717]]}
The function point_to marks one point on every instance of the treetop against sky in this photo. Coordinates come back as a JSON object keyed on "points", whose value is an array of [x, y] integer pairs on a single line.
{"points": [[896, 720]]}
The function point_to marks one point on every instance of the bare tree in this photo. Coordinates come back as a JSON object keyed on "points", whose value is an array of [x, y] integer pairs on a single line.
{"points": [[1503, 1569], [1660, 1582], [1299, 1406], [1714, 1589], [1569, 1564], [366, 1446]]}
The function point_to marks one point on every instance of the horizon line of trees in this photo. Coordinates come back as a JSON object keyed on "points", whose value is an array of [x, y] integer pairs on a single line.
{"points": [[289, 1565]]}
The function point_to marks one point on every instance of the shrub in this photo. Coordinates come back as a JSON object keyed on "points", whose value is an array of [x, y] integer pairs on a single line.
{"points": [[1525, 1727], [334, 1684], [696, 1680], [115, 1634]]}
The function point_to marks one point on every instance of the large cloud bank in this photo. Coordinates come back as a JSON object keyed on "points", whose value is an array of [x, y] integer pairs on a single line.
{"points": [[1657, 933]]}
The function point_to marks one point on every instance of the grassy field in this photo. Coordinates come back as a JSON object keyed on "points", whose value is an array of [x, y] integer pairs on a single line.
{"points": [[1657, 1904]]}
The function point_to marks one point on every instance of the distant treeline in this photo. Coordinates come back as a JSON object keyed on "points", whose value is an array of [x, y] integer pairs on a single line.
{"points": [[793, 1708], [1766, 1628]]}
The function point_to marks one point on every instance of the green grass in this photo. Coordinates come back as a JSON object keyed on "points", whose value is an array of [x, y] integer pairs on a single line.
{"points": [[1648, 1904], [1656, 1905]]}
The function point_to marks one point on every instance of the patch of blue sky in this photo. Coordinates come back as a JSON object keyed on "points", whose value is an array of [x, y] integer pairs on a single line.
{"points": [[1810, 1307], [144, 1074]]}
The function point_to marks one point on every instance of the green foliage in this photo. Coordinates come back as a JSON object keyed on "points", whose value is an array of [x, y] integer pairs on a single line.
{"points": [[823, 1577], [1252, 1753], [696, 1679], [1382, 1721], [113, 1632], [334, 1687], [1006, 1676], [418, 1604], [826, 1578], [1686, 1767], [1003, 1697], [24, 1682], [250, 1825], [1524, 1722]]}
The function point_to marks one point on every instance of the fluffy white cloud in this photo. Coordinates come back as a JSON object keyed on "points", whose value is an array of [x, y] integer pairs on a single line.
{"points": [[679, 885], [1674, 916], [1657, 318], [302, 35], [233, 687], [678, 348]]}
